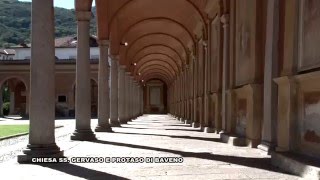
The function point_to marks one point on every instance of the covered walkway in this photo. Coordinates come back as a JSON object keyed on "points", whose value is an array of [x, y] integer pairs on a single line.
{"points": [[205, 157]]}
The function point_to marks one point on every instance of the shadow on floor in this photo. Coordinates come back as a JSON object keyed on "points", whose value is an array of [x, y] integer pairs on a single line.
{"points": [[81, 172], [171, 136], [160, 128], [193, 130], [135, 127], [179, 125], [155, 121], [260, 163]]}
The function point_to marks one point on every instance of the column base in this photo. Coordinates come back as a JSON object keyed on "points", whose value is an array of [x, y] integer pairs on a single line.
{"points": [[123, 121], [187, 122], [103, 128], [115, 124], [209, 130], [202, 127], [37, 151], [266, 146], [83, 135], [195, 125]]}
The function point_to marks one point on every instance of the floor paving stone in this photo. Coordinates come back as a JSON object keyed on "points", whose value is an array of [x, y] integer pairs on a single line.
{"points": [[204, 155]]}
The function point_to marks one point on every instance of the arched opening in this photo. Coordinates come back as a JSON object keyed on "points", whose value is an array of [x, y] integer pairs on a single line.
{"points": [[155, 97], [94, 98], [13, 100]]}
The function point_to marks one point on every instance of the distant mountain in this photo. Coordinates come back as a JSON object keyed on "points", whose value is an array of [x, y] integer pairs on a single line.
{"points": [[15, 18]]}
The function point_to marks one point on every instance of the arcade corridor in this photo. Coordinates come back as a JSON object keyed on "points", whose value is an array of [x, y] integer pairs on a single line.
{"points": [[245, 71]]}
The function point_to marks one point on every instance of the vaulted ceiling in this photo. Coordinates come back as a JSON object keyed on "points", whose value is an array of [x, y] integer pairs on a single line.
{"points": [[161, 34]]}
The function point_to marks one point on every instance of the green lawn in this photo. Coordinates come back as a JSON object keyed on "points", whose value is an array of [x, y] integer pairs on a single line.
{"points": [[9, 130]]}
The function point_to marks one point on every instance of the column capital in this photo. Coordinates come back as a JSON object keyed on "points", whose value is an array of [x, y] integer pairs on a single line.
{"points": [[205, 43], [103, 42], [83, 15], [225, 19], [128, 73]]}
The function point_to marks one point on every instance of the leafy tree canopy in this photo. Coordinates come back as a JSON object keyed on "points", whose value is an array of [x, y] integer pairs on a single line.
{"points": [[15, 18]]}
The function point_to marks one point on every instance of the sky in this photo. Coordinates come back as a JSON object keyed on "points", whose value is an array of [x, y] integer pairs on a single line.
{"points": [[68, 4]]}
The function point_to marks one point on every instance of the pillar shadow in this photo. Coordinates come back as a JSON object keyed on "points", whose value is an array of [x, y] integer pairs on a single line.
{"points": [[179, 125], [135, 127], [180, 137], [161, 128], [260, 163], [193, 130], [81, 172]]}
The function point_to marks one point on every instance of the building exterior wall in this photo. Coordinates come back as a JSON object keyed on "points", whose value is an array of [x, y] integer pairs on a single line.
{"points": [[61, 53], [64, 80]]}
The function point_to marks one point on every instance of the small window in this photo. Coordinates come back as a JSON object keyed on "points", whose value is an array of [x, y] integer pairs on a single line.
{"points": [[62, 99]]}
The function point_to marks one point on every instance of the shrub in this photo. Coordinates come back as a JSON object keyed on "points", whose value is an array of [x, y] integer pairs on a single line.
{"points": [[6, 108]]}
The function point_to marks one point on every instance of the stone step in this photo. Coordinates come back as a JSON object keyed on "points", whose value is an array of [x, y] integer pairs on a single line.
{"points": [[303, 166], [233, 139]]}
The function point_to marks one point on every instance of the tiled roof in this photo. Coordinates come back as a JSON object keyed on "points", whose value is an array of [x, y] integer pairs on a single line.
{"points": [[8, 51], [66, 42]]}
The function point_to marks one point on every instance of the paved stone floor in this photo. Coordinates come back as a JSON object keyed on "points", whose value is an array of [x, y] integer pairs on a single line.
{"points": [[205, 157]]}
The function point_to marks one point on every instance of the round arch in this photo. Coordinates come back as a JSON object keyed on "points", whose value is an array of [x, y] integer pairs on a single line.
{"points": [[153, 66], [155, 61], [156, 39], [159, 71], [180, 59]]}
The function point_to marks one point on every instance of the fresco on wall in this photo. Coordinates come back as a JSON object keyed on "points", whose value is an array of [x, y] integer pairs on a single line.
{"points": [[311, 122], [311, 34], [241, 117], [244, 40]]}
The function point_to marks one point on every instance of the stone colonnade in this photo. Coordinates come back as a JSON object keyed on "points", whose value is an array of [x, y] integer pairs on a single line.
{"points": [[221, 89], [119, 100]]}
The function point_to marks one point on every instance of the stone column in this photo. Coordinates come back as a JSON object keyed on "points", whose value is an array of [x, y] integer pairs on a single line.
{"points": [[1, 101], [132, 98], [83, 130], [208, 125], [138, 100], [103, 89], [270, 72], [183, 90], [12, 103], [114, 118], [141, 100], [121, 95], [225, 65], [133, 94], [42, 90], [196, 123], [127, 97], [134, 105]]}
